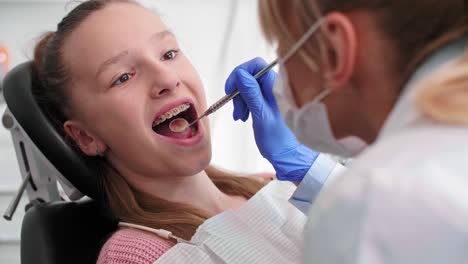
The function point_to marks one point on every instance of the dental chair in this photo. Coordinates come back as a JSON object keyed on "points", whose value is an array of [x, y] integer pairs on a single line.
{"points": [[61, 224]]}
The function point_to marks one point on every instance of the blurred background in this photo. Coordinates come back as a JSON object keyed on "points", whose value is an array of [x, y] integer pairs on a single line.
{"points": [[216, 34]]}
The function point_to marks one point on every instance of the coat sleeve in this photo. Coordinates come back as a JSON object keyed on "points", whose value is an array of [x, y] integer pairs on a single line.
{"points": [[322, 171]]}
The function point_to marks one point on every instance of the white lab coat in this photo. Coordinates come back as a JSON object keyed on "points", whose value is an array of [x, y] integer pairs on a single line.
{"points": [[405, 199]]}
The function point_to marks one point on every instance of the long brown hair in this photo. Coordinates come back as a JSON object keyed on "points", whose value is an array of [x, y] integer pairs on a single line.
{"points": [[415, 27], [52, 79]]}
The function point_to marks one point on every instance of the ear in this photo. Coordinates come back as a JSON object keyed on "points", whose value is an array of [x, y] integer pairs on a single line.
{"points": [[89, 144], [339, 51]]}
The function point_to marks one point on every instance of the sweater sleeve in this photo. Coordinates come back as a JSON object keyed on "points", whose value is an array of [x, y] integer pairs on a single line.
{"points": [[132, 246]]}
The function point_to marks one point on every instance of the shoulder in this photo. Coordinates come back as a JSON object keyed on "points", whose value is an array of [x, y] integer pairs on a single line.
{"points": [[396, 212], [132, 246], [405, 188], [417, 168], [419, 151]]}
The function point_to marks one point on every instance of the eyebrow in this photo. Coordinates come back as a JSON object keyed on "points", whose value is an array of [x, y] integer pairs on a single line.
{"points": [[161, 35], [115, 59]]}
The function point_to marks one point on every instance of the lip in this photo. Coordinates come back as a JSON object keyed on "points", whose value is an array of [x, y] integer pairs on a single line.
{"points": [[193, 141]]}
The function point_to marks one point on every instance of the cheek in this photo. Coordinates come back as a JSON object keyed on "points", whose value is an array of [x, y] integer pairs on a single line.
{"points": [[304, 92], [108, 115], [195, 85], [203, 106], [206, 126], [200, 95], [305, 84]]}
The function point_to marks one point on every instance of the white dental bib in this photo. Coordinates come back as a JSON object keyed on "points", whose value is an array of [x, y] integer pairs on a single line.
{"points": [[266, 229]]}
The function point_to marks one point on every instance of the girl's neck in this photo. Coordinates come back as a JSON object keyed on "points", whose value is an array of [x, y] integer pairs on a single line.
{"points": [[198, 191]]}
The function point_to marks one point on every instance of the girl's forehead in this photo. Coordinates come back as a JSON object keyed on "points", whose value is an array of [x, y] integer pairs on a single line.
{"points": [[109, 32], [118, 22]]}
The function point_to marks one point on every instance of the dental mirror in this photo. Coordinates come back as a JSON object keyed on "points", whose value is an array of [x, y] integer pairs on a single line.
{"points": [[178, 125]]}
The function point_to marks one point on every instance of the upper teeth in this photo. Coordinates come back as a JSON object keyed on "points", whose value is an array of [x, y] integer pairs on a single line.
{"points": [[171, 113]]}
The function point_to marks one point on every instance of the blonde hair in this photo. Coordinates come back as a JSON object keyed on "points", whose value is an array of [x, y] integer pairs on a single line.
{"points": [[416, 27], [276, 27], [444, 95]]}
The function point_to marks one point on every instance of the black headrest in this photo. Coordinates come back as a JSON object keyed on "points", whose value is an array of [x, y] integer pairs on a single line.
{"points": [[80, 171], [65, 232]]}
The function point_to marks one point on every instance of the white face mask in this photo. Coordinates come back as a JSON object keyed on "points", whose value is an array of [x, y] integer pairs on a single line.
{"points": [[310, 123]]}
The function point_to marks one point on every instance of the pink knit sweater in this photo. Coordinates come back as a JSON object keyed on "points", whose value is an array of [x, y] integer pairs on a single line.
{"points": [[132, 246]]}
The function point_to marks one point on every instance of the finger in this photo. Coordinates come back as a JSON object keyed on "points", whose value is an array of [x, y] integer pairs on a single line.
{"points": [[256, 65], [239, 108], [250, 91], [230, 85], [267, 85], [253, 66], [246, 116]]}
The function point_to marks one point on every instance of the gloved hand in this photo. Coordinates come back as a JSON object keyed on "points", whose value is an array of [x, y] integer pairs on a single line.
{"points": [[274, 139]]}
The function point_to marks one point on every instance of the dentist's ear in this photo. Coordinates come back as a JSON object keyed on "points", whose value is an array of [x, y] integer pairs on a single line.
{"points": [[339, 50], [89, 144]]}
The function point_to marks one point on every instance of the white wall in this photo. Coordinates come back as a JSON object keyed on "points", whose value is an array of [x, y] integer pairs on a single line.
{"points": [[203, 28]]}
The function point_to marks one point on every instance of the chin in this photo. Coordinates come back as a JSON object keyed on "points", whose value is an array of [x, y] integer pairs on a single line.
{"points": [[201, 163], [194, 164]]}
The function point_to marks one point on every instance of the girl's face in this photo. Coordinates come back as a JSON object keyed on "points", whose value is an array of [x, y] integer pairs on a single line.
{"points": [[129, 74]]}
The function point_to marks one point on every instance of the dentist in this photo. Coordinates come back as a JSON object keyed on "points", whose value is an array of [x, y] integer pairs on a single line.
{"points": [[385, 82]]}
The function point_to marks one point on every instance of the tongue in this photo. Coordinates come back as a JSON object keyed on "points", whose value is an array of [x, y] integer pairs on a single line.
{"points": [[163, 129]]}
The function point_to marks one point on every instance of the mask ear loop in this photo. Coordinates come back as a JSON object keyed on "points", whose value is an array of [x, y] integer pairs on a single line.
{"points": [[298, 45], [159, 232], [301, 41], [322, 95]]}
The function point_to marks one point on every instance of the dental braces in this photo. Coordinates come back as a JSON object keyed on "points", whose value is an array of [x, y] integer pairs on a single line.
{"points": [[171, 113]]}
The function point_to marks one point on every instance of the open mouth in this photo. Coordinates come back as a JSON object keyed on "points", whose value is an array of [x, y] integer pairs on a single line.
{"points": [[172, 123]]}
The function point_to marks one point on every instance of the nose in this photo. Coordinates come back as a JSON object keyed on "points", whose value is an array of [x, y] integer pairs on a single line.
{"points": [[164, 80]]}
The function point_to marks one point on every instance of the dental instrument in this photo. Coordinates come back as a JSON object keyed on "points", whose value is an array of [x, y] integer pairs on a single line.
{"points": [[225, 99]]}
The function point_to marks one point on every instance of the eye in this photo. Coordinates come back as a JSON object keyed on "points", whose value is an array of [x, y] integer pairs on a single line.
{"points": [[170, 55], [122, 79]]}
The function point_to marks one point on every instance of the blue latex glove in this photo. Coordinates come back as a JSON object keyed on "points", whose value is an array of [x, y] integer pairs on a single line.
{"points": [[275, 140]]}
